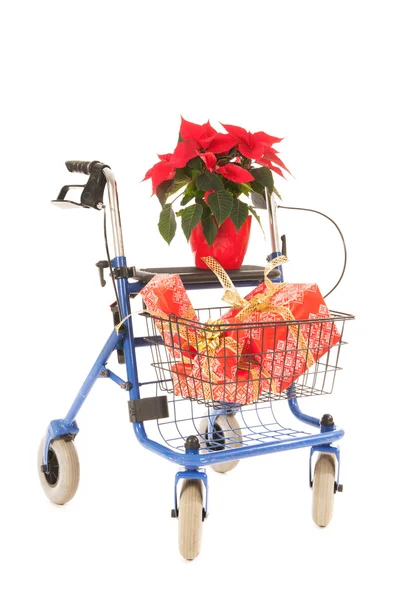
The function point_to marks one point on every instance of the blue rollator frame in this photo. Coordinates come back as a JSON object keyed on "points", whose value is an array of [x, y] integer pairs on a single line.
{"points": [[190, 459]]}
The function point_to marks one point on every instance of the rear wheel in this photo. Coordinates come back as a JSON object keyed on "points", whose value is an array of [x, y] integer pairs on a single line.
{"points": [[61, 480], [225, 435]]}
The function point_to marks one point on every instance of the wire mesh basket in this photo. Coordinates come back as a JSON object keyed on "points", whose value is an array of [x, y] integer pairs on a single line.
{"points": [[222, 364]]}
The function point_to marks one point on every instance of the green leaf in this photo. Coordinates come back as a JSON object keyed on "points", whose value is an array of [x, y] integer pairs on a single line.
{"points": [[209, 181], [171, 186], [162, 191], [196, 163], [239, 213], [186, 199], [220, 204], [264, 176], [178, 181], [257, 216], [167, 223], [258, 188], [244, 188], [190, 218], [210, 228], [277, 193], [191, 188], [233, 187]]}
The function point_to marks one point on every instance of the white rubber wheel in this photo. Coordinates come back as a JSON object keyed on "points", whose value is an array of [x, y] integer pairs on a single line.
{"points": [[323, 490], [61, 482], [224, 425], [190, 518]]}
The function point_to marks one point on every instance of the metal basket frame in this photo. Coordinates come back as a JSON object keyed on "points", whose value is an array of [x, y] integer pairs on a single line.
{"points": [[167, 354]]}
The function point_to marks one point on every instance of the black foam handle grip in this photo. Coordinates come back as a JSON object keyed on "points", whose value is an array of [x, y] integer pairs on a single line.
{"points": [[79, 166]]}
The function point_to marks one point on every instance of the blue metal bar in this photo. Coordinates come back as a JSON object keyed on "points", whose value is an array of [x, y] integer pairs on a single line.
{"points": [[116, 378], [190, 474], [91, 378], [294, 407], [201, 460], [129, 340]]}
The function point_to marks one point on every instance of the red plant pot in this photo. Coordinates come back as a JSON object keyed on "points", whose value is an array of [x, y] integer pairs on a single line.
{"points": [[229, 247]]}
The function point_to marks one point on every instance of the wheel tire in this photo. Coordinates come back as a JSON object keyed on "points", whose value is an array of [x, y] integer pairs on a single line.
{"points": [[323, 490], [190, 518], [223, 423], [61, 482]]}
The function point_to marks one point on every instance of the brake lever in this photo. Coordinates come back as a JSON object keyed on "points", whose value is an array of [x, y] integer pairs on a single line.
{"points": [[101, 265]]}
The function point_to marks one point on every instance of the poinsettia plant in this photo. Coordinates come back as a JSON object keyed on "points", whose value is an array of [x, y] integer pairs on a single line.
{"points": [[211, 171]]}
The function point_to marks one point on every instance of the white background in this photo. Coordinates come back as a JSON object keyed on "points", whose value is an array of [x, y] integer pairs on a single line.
{"points": [[109, 81]]}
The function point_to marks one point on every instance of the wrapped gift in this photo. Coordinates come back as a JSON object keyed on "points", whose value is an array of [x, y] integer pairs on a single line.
{"points": [[245, 388], [166, 297], [219, 348], [216, 343], [285, 351]]}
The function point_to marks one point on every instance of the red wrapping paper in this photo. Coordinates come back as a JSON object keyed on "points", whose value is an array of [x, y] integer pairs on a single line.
{"points": [[221, 362], [164, 296], [244, 389], [276, 348]]}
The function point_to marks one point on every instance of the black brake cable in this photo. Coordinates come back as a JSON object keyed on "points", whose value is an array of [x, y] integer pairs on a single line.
{"points": [[109, 262], [341, 235]]}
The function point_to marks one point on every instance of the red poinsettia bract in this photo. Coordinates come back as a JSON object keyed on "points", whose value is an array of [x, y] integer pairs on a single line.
{"points": [[161, 171], [257, 146], [230, 171], [197, 139]]}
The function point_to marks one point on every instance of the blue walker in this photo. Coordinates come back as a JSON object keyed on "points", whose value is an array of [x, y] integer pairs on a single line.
{"points": [[192, 433]]}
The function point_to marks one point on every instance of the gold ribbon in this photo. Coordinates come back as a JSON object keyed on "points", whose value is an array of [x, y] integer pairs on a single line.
{"points": [[261, 302], [208, 339]]}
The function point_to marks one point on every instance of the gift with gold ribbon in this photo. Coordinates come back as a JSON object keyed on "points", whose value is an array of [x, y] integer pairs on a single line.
{"points": [[216, 344], [165, 296], [219, 347], [286, 350]]}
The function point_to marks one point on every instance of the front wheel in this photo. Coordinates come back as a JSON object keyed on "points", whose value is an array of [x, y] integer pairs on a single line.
{"points": [[61, 480], [190, 518], [323, 490]]}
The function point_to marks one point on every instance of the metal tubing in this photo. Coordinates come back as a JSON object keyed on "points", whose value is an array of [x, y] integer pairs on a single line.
{"points": [[294, 407], [273, 227], [129, 340], [93, 375], [114, 210], [325, 449], [202, 460], [190, 474]]}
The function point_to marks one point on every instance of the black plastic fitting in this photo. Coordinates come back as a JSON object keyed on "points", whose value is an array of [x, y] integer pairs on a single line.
{"points": [[192, 443]]}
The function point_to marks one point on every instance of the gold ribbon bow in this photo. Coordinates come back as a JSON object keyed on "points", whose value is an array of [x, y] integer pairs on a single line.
{"points": [[210, 337], [261, 302]]}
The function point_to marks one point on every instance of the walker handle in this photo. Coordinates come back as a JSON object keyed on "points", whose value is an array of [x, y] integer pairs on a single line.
{"points": [[80, 166]]}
